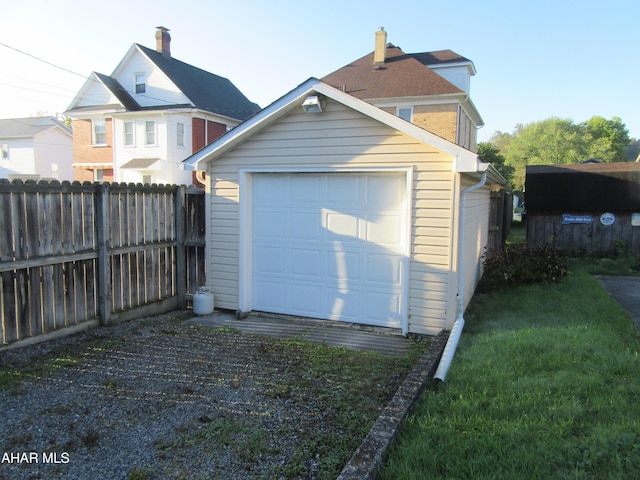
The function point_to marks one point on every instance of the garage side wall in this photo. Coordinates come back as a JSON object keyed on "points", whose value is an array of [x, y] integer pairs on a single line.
{"points": [[340, 138], [476, 235]]}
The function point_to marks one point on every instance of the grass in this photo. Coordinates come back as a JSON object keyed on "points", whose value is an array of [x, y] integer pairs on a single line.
{"points": [[545, 384]]}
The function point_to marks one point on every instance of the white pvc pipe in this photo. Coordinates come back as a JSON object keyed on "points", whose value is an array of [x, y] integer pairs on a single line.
{"points": [[458, 325]]}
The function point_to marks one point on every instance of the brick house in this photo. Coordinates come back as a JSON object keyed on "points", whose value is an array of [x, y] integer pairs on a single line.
{"points": [[139, 123], [430, 90]]}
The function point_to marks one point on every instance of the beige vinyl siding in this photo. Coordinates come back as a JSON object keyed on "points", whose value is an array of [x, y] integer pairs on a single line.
{"points": [[342, 138], [477, 209]]}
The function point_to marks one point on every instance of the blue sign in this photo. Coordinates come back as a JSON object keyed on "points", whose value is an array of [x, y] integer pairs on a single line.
{"points": [[567, 219]]}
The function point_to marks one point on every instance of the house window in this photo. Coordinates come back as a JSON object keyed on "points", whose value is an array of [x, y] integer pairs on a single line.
{"points": [[99, 132], [146, 179], [150, 133], [180, 138], [405, 113], [5, 151], [98, 175], [141, 83], [128, 134]]}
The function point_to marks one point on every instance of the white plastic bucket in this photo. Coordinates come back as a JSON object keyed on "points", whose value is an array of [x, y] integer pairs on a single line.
{"points": [[203, 302]]}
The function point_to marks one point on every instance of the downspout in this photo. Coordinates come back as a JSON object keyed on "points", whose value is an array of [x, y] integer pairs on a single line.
{"points": [[458, 324]]}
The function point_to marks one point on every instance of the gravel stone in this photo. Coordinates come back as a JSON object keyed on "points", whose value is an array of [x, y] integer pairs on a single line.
{"points": [[159, 402]]}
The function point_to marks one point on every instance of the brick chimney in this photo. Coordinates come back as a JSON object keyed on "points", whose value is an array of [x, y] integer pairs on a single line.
{"points": [[380, 53], [163, 42]]}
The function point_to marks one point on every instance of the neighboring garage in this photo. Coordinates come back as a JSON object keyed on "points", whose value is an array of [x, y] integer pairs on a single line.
{"points": [[349, 213]]}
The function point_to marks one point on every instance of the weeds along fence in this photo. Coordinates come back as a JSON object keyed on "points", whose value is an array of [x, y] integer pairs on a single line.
{"points": [[76, 255]]}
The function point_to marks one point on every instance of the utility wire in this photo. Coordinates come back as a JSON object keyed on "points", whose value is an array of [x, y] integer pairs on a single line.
{"points": [[41, 60]]}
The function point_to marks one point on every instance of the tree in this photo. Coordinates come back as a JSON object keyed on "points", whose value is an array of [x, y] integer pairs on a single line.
{"points": [[606, 139], [490, 153], [548, 142]]}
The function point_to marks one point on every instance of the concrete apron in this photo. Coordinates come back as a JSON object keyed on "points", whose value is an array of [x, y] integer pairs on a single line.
{"points": [[386, 341], [370, 455]]}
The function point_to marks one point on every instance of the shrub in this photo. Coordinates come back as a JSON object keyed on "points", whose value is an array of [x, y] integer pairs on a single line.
{"points": [[517, 264]]}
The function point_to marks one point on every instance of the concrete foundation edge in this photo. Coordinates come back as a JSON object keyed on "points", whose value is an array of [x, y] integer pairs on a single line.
{"points": [[369, 456]]}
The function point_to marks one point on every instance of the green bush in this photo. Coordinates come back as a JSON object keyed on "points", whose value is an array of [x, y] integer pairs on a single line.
{"points": [[517, 264]]}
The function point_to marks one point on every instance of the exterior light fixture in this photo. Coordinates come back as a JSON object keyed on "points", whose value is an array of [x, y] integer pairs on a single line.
{"points": [[311, 104]]}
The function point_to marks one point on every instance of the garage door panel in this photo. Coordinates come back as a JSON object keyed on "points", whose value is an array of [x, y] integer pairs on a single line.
{"points": [[384, 229], [384, 269], [271, 294], [343, 265], [305, 189], [383, 309], [306, 263], [341, 226], [330, 245], [270, 188], [343, 190], [270, 260], [306, 299], [342, 305], [385, 192], [306, 226]]}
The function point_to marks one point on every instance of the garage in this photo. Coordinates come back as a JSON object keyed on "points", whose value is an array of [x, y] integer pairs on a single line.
{"points": [[330, 245], [346, 212]]}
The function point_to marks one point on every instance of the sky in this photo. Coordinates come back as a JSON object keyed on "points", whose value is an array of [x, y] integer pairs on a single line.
{"points": [[534, 60]]}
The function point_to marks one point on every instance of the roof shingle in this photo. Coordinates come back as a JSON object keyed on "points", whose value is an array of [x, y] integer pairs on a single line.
{"points": [[401, 75]]}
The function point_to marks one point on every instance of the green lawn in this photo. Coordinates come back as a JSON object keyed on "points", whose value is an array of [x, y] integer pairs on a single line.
{"points": [[545, 384]]}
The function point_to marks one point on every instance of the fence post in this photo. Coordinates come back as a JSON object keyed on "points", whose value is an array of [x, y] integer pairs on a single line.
{"points": [[181, 255], [104, 264]]}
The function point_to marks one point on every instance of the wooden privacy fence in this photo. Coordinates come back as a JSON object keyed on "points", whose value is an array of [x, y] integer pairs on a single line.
{"points": [[74, 255]]}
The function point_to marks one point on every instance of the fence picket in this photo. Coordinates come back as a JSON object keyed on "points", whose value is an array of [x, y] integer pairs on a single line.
{"points": [[72, 253]]}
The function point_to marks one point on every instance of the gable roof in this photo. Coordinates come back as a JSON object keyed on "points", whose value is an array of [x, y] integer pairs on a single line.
{"points": [[401, 75], [466, 161], [206, 90], [29, 127]]}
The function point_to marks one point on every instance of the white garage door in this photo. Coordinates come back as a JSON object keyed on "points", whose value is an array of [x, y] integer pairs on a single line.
{"points": [[330, 246]]}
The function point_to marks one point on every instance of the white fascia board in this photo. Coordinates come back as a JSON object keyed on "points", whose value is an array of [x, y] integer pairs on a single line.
{"points": [[469, 64]]}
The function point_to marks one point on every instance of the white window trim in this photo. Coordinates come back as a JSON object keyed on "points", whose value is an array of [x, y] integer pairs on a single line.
{"points": [[133, 134], [146, 133], [180, 135], [136, 83], [94, 133]]}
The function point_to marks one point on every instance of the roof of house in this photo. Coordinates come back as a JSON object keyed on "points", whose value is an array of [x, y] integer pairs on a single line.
{"points": [[401, 75], [29, 127], [206, 90], [119, 91]]}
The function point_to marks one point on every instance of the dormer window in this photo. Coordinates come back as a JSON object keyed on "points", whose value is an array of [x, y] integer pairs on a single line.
{"points": [[141, 83]]}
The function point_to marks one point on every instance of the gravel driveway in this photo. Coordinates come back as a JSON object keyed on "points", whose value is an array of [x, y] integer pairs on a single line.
{"points": [[158, 399]]}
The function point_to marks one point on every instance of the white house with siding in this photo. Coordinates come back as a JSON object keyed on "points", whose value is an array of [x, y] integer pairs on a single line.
{"points": [[347, 213], [35, 148]]}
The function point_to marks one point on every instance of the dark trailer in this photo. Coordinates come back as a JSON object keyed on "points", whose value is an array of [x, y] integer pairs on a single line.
{"points": [[584, 209]]}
